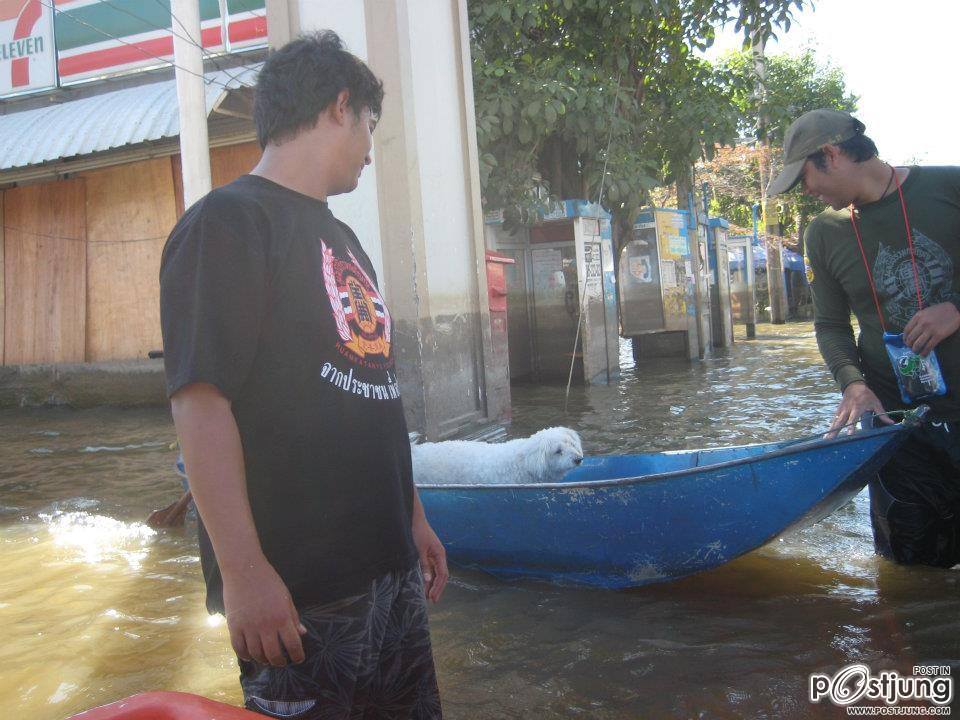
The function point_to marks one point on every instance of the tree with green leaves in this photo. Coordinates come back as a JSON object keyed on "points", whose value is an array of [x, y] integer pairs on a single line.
{"points": [[558, 82], [794, 85]]}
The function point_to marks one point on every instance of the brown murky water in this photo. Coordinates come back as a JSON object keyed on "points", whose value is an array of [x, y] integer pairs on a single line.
{"points": [[94, 606]]}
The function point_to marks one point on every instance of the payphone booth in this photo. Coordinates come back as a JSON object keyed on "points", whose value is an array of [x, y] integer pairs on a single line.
{"points": [[563, 263], [720, 311], [571, 267], [657, 286], [743, 301]]}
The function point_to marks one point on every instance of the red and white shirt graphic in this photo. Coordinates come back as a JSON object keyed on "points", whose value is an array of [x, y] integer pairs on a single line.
{"points": [[359, 313]]}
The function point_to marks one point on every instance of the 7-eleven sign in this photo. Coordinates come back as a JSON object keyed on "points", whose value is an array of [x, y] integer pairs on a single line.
{"points": [[27, 52]]}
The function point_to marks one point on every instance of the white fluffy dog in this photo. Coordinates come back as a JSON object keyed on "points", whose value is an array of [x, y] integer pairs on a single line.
{"points": [[542, 457]]}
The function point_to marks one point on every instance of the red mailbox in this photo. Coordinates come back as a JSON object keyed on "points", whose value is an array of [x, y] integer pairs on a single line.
{"points": [[497, 281], [497, 295], [498, 377]]}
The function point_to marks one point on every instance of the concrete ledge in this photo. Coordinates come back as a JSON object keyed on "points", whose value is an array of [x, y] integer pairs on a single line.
{"points": [[127, 383]]}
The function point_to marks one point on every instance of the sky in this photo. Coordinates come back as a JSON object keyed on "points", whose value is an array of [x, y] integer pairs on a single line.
{"points": [[899, 57]]}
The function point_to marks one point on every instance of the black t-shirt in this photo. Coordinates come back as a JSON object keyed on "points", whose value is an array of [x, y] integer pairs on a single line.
{"points": [[267, 296]]}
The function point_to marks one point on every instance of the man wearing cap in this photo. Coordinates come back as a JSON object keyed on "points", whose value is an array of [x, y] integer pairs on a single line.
{"points": [[888, 249]]}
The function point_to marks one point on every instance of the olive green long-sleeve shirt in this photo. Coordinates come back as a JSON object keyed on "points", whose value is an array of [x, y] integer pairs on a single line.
{"points": [[840, 283]]}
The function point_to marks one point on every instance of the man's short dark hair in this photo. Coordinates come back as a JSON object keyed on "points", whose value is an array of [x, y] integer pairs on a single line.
{"points": [[859, 148], [300, 80]]}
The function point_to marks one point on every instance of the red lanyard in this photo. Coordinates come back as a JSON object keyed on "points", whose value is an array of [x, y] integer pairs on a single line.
{"points": [[913, 256]]}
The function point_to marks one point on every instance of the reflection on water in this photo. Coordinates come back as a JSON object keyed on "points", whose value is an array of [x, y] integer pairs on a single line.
{"points": [[96, 606]]}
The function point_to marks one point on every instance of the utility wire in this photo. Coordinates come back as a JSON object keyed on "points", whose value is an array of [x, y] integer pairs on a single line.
{"points": [[166, 5], [65, 238], [186, 37], [208, 81]]}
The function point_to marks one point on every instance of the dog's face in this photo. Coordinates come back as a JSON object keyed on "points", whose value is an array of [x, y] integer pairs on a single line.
{"points": [[561, 450]]}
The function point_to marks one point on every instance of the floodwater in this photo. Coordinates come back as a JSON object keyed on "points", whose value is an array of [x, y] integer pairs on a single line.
{"points": [[95, 606]]}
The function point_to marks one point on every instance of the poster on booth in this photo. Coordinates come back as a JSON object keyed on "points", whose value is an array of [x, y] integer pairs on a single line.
{"points": [[641, 269], [27, 53], [674, 251]]}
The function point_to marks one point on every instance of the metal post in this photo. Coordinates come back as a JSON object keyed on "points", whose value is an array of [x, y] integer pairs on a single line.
{"points": [[750, 314], [700, 283], [776, 290], [191, 98]]}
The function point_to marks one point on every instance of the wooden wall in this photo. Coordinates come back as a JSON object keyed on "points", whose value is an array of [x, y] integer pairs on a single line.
{"points": [[44, 273], [130, 211], [229, 163], [80, 259], [226, 165]]}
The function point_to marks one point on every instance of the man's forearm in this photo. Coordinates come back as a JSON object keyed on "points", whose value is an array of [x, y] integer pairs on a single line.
{"points": [[213, 455], [839, 351], [418, 513]]}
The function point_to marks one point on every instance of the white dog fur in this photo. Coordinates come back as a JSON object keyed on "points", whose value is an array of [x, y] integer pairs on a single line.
{"points": [[542, 457]]}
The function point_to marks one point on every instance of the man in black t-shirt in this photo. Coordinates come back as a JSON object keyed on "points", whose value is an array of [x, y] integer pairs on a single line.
{"points": [[280, 368]]}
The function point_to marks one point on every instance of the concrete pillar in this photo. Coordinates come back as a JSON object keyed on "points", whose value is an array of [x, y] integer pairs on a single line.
{"points": [[431, 224], [283, 22], [360, 208], [191, 98], [417, 209], [496, 372]]}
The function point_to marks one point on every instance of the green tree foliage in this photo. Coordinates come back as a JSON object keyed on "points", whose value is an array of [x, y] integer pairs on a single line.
{"points": [[733, 175], [794, 85], [557, 80]]}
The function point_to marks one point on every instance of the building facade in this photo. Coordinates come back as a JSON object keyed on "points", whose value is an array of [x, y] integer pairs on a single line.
{"points": [[90, 181]]}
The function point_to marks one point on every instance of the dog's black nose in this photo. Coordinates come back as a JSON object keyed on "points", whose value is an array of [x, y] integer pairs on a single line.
{"points": [[577, 461]]}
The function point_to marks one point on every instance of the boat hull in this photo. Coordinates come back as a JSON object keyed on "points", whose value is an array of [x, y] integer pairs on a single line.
{"points": [[629, 520]]}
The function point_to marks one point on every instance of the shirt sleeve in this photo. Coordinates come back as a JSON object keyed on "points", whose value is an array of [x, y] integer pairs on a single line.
{"points": [[213, 297], [831, 316]]}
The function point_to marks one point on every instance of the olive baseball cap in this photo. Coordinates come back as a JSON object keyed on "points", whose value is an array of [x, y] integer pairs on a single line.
{"points": [[807, 134]]}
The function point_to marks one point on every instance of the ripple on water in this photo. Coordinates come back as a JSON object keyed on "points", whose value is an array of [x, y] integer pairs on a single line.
{"points": [[123, 448], [739, 641]]}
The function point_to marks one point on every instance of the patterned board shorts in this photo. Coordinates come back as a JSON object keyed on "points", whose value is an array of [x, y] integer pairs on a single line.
{"points": [[367, 656]]}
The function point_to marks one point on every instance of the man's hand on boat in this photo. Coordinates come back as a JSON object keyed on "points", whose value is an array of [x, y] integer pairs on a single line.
{"points": [[172, 515], [263, 622], [858, 399]]}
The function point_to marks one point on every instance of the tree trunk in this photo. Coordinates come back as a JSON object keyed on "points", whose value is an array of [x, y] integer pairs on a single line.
{"points": [[683, 188], [775, 282], [584, 185], [802, 221], [550, 165], [776, 288]]}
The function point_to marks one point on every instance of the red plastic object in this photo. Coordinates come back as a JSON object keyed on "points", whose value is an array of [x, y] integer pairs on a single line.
{"points": [[165, 705], [496, 281]]}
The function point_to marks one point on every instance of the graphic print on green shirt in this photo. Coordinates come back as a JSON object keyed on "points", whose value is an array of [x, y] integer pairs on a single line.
{"points": [[893, 273], [840, 284]]}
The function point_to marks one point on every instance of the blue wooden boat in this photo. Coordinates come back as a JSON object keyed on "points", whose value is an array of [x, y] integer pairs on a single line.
{"points": [[627, 520]]}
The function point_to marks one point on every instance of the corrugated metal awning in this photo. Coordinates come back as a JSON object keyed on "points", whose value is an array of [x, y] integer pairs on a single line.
{"points": [[113, 120]]}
